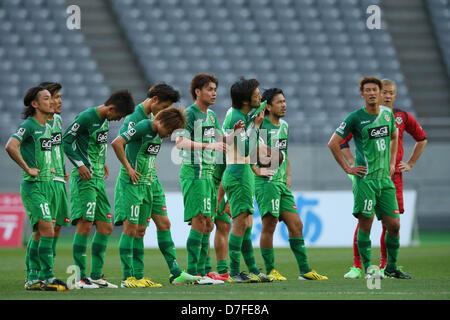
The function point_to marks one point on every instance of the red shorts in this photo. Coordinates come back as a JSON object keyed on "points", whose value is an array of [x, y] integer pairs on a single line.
{"points": [[397, 178]]}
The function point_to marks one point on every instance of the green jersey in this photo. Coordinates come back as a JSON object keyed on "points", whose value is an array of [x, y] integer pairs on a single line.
{"points": [[35, 148], [200, 127], [143, 145], [57, 149], [86, 142], [372, 136], [242, 144], [275, 136]]}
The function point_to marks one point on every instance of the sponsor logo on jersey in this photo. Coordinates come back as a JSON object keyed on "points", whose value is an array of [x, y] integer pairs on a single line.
{"points": [[208, 132], [281, 144], [398, 120], [341, 127], [102, 137], [66, 220], [164, 209], [46, 144], [153, 149], [378, 132], [75, 127], [108, 216], [56, 138], [131, 125]]}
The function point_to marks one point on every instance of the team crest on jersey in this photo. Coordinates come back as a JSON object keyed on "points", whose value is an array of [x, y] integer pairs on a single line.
{"points": [[398, 120], [20, 132], [387, 117], [378, 132], [56, 139], [153, 149], [212, 119], [102, 137], [46, 144]]}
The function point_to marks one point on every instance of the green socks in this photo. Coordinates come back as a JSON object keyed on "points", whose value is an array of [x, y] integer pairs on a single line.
{"points": [[46, 258], [126, 255], [234, 251], [268, 258], [298, 248], [248, 252], [203, 255], [55, 240], [79, 253], [364, 247], [138, 258], [222, 266], [193, 246], [392, 248], [98, 254], [32, 260], [167, 248]]}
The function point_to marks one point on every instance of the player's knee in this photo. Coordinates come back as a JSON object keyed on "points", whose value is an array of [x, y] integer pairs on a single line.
{"points": [[163, 224]]}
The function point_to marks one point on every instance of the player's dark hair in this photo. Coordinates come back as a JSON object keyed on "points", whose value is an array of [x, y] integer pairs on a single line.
{"points": [[122, 100], [31, 95], [164, 92], [269, 94], [242, 91], [199, 81], [366, 80], [52, 87], [172, 118]]}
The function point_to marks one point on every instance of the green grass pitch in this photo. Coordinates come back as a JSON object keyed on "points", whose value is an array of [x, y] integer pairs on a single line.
{"points": [[428, 263]]}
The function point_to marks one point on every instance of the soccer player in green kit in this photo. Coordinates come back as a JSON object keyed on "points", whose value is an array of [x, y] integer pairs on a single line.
{"points": [[31, 148], [238, 178], [139, 195], [85, 144], [60, 202], [376, 140], [275, 200]]}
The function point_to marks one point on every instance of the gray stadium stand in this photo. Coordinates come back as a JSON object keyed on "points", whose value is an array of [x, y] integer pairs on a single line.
{"points": [[316, 51], [36, 46], [440, 13]]}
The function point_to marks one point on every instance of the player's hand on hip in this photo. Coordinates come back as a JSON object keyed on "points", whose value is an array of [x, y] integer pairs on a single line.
{"points": [[404, 166], [134, 175], [106, 172], [34, 172], [84, 173], [358, 171]]}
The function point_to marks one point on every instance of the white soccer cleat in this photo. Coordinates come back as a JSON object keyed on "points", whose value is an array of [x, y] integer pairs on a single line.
{"points": [[85, 284], [102, 283]]}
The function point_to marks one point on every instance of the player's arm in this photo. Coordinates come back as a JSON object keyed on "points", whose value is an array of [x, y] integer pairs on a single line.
{"points": [[71, 151], [417, 132], [13, 149], [334, 145], [393, 150], [288, 172]]}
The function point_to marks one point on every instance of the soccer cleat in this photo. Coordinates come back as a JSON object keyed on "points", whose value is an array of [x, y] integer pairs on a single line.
{"points": [[204, 281], [260, 277], [147, 282], [354, 273], [312, 275], [238, 278], [183, 278], [397, 273], [102, 283], [276, 276], [216, 276], [86, 284], [131, 282], [36, 285], [55, 285]]}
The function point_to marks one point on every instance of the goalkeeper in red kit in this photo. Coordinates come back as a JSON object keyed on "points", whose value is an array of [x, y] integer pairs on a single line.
{"points": [[404, 121]]}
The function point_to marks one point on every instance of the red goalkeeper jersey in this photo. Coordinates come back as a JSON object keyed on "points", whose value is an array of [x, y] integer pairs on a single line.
{"points": [[404, 121]]}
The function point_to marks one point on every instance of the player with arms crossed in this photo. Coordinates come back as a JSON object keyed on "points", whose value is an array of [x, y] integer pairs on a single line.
{"points": [[376, 139], [238, 178], [85, 144], [405, 121], [273, 196], [139, 195], [31, 148]]}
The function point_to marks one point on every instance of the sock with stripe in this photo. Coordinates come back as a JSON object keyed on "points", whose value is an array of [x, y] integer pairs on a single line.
{"points": [[193, 246], [268, 258], [126, 255], [392, 248], [248, 252], [79, 248], [234, 251], [203, 255], [138, 258], [364, 247], [99, 244], [297, 245], [167, 248], [46, 258]]}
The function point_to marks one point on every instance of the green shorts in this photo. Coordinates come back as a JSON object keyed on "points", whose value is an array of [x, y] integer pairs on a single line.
{"points": [[159, 199], [88, 199], [374, 196], [198, 195], [36, 198], [60, 204], [132, 202], [217, 214], [240, 194], [274, 198]]}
